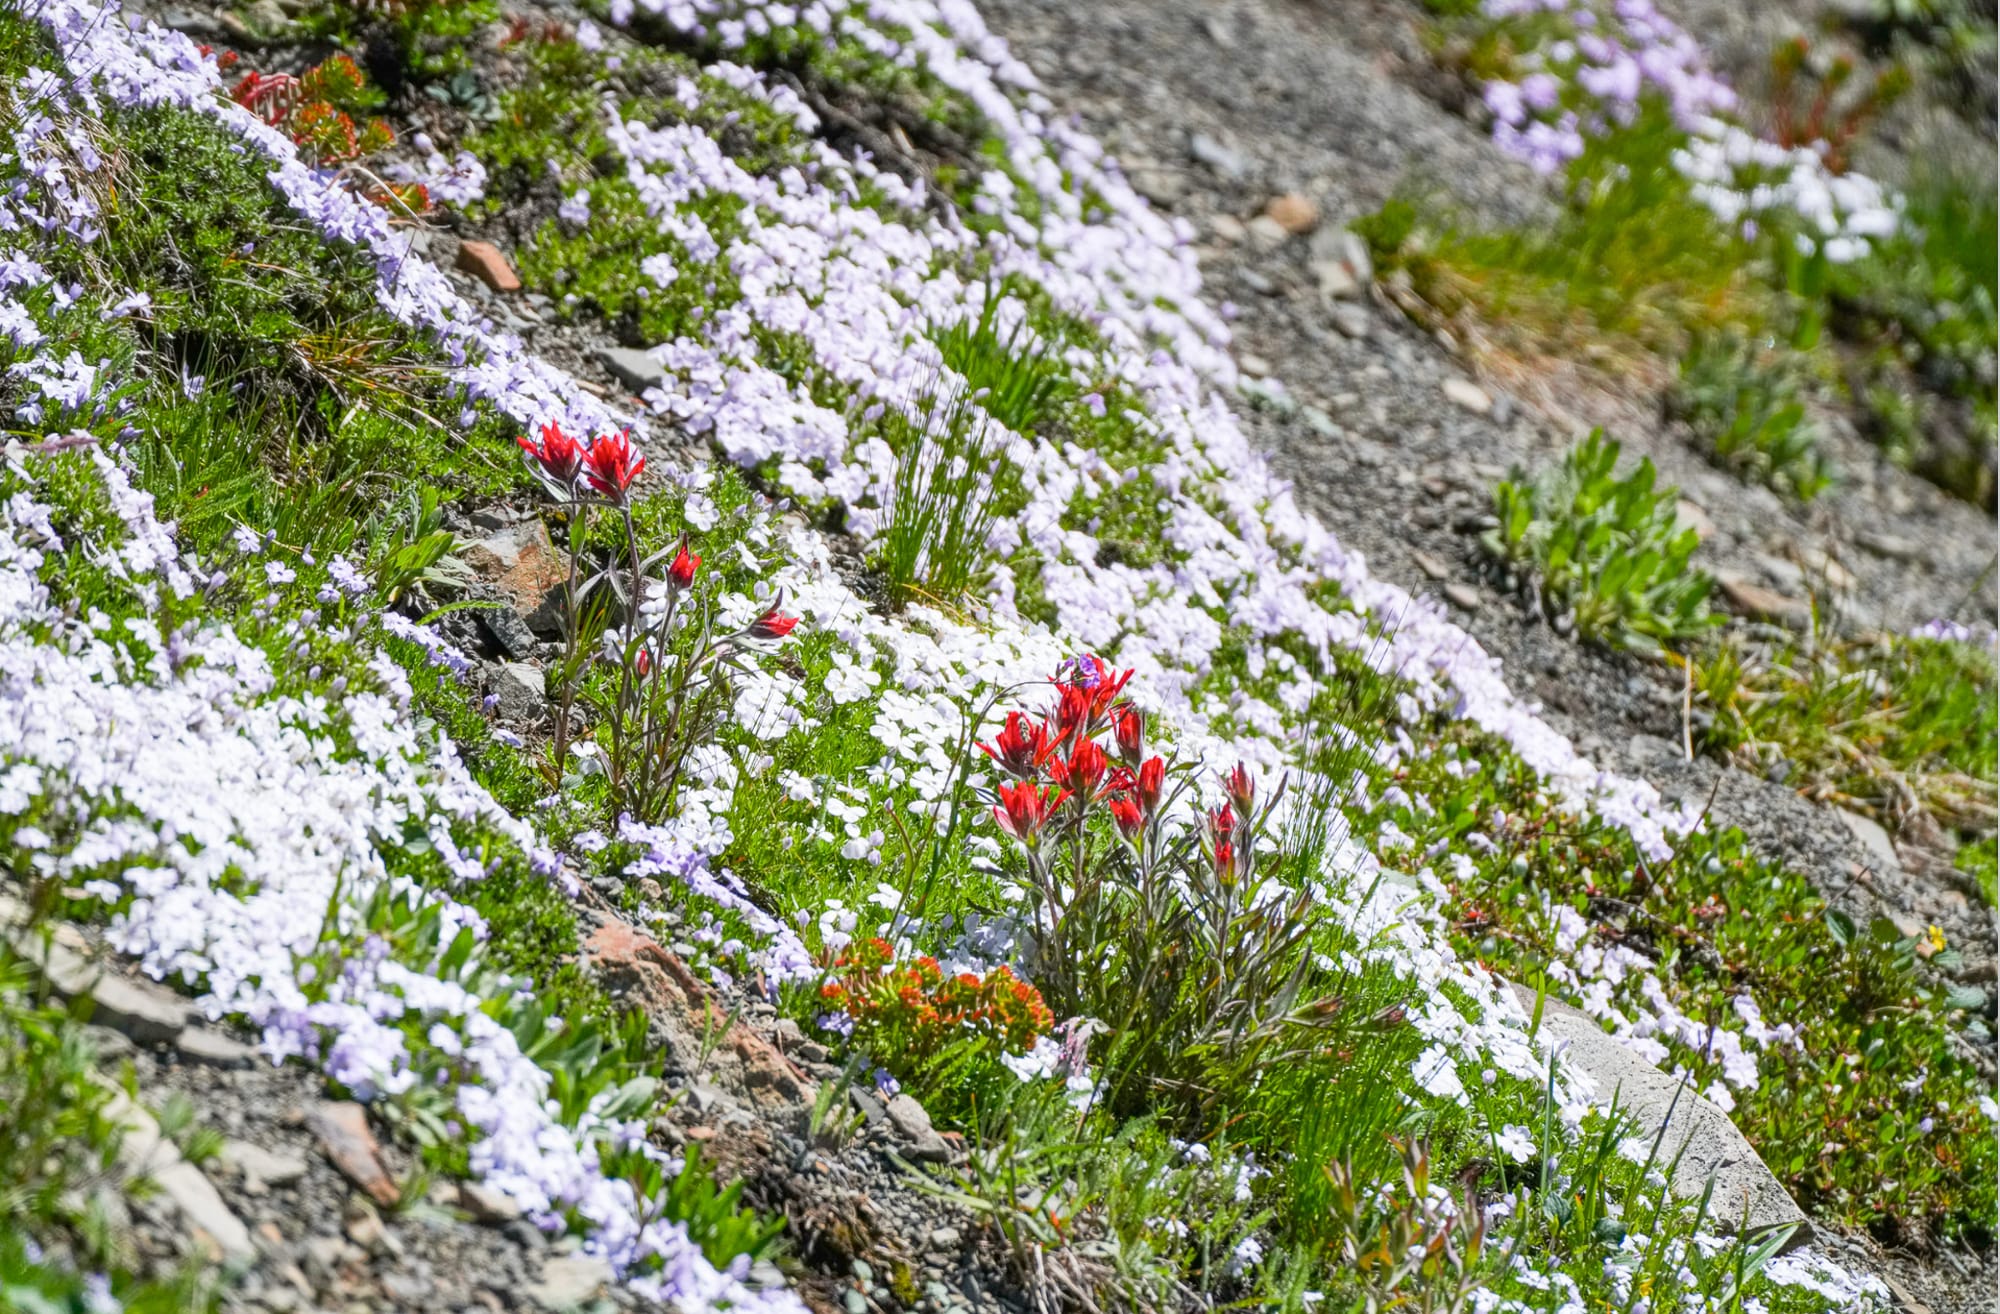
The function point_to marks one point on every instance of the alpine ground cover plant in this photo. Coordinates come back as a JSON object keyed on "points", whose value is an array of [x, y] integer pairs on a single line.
{"points": [[1606, 554], [845, 776], [1807, 1027], [1749, 415]]}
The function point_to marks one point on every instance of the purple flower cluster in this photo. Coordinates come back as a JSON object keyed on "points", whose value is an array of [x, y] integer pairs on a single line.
{"points": [[1586, 78], [221, 821]]}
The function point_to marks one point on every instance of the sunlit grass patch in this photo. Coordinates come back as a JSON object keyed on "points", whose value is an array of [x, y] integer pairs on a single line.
{"points": [[1901, 728], [1624, 268]]}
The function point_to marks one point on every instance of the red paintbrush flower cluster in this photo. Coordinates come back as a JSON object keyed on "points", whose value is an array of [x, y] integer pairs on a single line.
{"points": [[1062, 769], [913, 1009], [606, 465], [1059, 759]]}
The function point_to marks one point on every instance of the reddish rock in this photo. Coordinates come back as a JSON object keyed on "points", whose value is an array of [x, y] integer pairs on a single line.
{"points": [[484, 262], [525, 566], [631, 964], [350, 1146], [1748, 598]]}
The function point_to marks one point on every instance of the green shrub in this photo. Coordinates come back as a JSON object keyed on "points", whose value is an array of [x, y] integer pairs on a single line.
{"points": [[1922, 305], [1604, 552], [429, 38], [1745, 409]]}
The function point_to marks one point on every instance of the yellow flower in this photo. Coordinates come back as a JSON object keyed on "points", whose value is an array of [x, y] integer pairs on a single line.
{"points": [[1936, 938]]}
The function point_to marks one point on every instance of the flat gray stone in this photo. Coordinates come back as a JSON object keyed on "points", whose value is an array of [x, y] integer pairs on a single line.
{"points": [[637, 370], [1868, 833], [1351, 319], [1749, 598], [913, 1126], [1463, 596], [567, 1281], [149, 1014], [488, 1205], [255, 1163], [1466, 393], [1225, 160], [1336, 281], [1344, 247], [522, 690], [1162, 187], [1708, 1143], [146, 1013], [215, 1049], [1266, 233], [211, 1226], [508, 630]]}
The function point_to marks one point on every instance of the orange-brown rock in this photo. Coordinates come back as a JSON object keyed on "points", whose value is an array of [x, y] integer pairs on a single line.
{"points": [[1295, 214], [484, 261], [634, 967], [529, 572], [350, 1146]]}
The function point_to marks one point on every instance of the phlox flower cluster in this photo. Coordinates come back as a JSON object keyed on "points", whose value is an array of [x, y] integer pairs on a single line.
{"points": [[219, 820], [1590, 80]]}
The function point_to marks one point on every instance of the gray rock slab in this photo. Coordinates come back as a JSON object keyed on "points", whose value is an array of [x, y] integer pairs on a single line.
{"points": [[1708, 1143], [1869, 834], [210, 1223], [255, 1163], [569, 1281], [215, 1049], [522, 690], [637, 370], [913, 1127]]}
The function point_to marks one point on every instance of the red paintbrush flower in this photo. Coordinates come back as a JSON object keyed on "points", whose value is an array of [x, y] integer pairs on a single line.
{"points": [[1083, 773], [558, 456], [1087, 697], [1021, 746], [1152, 784], [1025, 808], [1241, 789], [1073, 703], [612, 463], [1125, 811], [773, 624], [680, 572], [1128, 724]]}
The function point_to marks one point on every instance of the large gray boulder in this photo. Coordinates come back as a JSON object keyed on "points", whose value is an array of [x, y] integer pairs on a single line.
{"points": [[1702, 1134]]}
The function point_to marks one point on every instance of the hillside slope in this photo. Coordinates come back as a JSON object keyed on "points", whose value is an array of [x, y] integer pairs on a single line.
{"points": [[649, 659]]}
